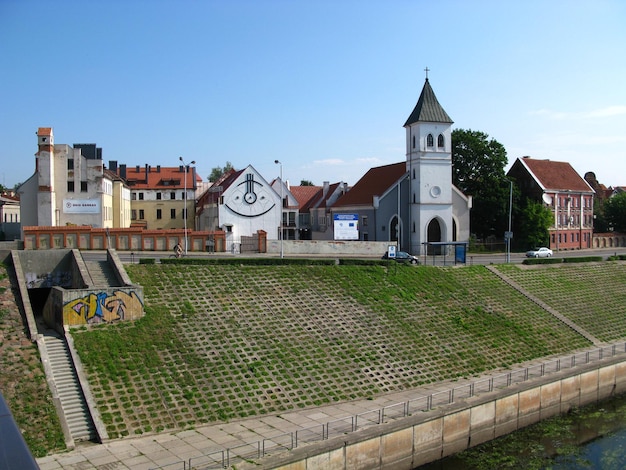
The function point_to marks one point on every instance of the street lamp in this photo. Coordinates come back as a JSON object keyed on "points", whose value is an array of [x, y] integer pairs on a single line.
{"points": [[193, 162], [509, 234], [280, 226]]}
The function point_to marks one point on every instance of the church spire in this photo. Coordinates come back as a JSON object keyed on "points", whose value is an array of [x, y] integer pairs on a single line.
{"points": [[428, 108]]}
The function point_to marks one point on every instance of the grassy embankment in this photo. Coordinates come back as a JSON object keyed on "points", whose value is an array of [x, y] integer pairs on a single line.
{"points": [[224, 342]]}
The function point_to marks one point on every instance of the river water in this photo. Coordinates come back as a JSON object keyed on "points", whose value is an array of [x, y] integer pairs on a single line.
{"points": [[592, 437]]}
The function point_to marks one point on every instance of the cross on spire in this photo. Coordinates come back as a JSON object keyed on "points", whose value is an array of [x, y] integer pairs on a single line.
{"points": [[426, 70]]}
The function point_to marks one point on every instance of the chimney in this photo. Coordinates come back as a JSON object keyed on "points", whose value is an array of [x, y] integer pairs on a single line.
{"points": [[147, 172], [123, 171], [158, 168], [113, 166], [326, 188]]}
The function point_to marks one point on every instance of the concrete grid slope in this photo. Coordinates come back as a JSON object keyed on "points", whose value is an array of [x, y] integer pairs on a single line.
{"points": [[203, 447]]}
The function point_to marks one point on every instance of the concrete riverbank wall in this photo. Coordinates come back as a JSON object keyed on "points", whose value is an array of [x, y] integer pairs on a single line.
{"points": [[428, 436]]}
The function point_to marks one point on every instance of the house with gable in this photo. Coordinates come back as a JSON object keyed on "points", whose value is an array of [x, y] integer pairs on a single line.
{"points": [[290, 206], [317, 216], [562, 190], [305, 196], [413, 202], [241, 203]]}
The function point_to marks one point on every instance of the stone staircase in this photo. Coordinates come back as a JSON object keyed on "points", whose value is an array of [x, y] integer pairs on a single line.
{"points": [[102, 274], [77, 416]]}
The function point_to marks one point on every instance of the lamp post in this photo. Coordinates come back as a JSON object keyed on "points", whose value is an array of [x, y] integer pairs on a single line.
{"points": [[193, 162], [280, 226], [509, 234]]}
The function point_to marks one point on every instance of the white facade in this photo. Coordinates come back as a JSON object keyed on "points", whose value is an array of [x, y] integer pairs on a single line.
{"points": [[247, 205], [68, 188], [429, 164]]}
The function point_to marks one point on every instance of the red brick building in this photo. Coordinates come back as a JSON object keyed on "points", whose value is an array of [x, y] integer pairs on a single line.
{"points": [[562, 190]]}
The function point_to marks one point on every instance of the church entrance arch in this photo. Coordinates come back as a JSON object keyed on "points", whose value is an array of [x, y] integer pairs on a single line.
{"points": [[393, 229], [434, 235]]}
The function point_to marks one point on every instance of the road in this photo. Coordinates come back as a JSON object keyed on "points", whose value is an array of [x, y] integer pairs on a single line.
{"points": [[472, 258]]}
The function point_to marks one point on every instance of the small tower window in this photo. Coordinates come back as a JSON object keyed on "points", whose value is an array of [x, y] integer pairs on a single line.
{"points": [[440, 141], [430, 142], [413, 141]]}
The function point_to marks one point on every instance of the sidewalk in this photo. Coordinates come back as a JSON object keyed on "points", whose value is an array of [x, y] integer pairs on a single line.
{"points": [[170, 450], [207, 445]]}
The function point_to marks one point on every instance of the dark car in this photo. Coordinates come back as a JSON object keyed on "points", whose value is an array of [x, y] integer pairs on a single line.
{"points": [[404, 257]]}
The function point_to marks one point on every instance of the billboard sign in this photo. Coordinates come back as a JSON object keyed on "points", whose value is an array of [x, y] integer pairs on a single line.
{"points": [[81, 206], [346, 226]]}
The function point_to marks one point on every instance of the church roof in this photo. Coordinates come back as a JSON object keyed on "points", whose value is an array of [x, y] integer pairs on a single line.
{"points": [[428, 108], [374, 183]]}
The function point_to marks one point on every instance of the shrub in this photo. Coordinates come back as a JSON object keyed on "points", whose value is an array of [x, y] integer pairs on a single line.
{"points": [[583, 259], [147, 261], [542, 261]]}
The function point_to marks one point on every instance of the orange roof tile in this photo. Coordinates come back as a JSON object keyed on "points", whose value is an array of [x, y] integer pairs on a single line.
{"points": [[163, 177], [557, 176], [374, 183]]}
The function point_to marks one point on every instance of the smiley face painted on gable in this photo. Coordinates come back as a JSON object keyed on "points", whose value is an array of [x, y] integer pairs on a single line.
{"points": [[250, 198]]}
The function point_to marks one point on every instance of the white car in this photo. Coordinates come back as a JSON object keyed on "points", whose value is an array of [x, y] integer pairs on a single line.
{"points": [[542, 252]]}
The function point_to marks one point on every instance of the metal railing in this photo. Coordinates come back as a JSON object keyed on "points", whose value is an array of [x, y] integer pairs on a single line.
{"points": [[225, 458]]}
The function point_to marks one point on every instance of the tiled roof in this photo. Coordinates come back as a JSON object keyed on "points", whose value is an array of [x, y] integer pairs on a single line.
{"points": [[374, 183], [556, 176], [212, 195], [163, 177], [428, 108], [304, 194]]}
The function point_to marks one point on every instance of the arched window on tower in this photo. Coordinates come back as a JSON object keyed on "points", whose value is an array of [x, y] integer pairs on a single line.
{"points": [[430, 142], [440, 141]]}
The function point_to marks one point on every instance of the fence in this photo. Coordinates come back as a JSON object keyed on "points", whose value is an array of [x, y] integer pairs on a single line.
{"points": [[221, 459]]}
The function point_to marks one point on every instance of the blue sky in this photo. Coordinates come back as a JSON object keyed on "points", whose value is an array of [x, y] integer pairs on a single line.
{"points": [[323, 86]]}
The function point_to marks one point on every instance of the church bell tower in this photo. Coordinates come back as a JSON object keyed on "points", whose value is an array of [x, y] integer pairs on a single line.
{"points": [[429, 164]]}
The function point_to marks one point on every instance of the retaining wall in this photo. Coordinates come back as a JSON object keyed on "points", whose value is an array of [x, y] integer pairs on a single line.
{"points": [[428, 436]]}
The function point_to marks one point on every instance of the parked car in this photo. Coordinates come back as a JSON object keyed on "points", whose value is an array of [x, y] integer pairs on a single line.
{"points": [[404, 257], [542, 252]]}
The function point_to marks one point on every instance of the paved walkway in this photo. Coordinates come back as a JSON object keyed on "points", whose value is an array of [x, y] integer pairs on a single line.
{"points": [[204, 445], [170, 450]]}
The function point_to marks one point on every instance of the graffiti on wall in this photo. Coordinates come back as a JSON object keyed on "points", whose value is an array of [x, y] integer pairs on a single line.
{"points": [[103, 307]]}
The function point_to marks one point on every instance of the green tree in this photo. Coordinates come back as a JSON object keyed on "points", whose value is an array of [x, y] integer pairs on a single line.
{"points": [[218, 171], [478, 170], [615, 212], [534, 221], [306, 183]]}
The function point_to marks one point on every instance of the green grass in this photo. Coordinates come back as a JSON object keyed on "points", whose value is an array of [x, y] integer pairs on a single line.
{"points": [[225, 342]]}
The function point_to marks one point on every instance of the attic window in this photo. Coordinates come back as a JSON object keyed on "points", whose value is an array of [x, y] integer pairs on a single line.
{"points": [[440, 141], [430, 141]]}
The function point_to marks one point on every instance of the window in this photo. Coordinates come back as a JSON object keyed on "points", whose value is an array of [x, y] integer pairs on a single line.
{"points": [[430, 142], [83, 186], [141, 217], [172, 213], [133, 214], [158, 196], [141, 196], [70, 163], [364, 221], [70, 186], [159, 214], [413, 141], [133, 196], [172, 195], [440, 141]]}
